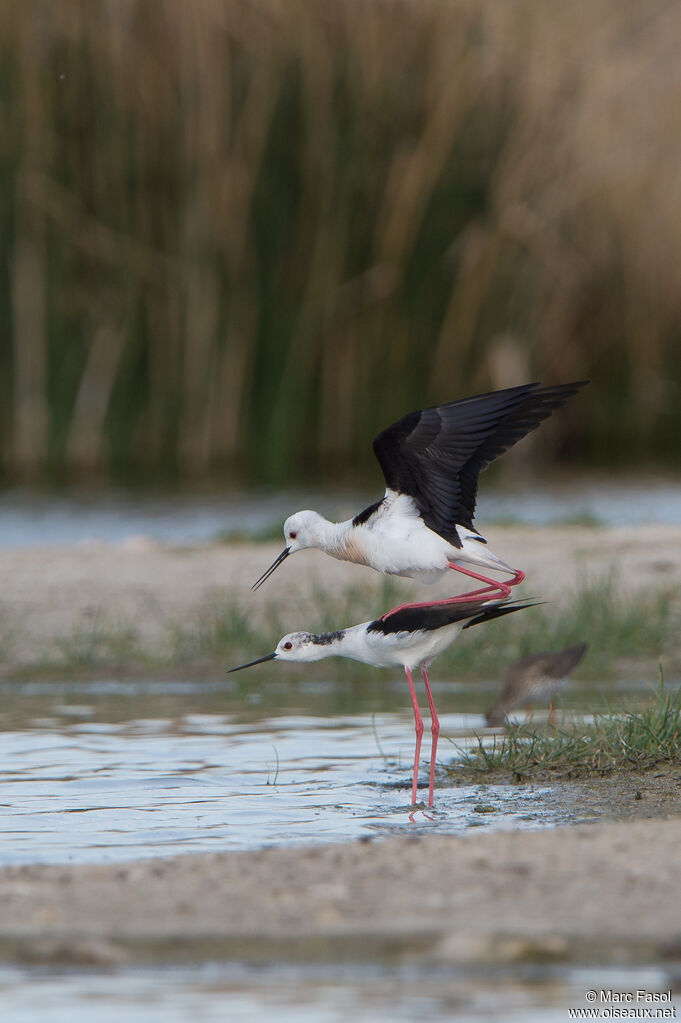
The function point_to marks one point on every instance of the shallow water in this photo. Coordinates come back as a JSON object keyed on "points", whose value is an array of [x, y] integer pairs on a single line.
{"points": [[35, 519], [101, 771], [106, 771], [85, 780], [368, 993]]}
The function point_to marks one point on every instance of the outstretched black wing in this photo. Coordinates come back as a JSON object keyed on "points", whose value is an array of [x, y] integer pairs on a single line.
{"points": [[436, 615], [436, 455]]}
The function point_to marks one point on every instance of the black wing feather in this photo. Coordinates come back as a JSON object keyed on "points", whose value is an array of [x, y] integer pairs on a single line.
{"points": [[435, 616], [436, 455], [535, 408]]}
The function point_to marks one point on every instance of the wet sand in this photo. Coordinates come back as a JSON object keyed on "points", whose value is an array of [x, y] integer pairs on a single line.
{"points": [[599, 893], [610, 890]]}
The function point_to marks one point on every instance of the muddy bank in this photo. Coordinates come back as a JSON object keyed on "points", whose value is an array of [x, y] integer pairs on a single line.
{"points": [[139, 594], [620, 794], [610, 890]]}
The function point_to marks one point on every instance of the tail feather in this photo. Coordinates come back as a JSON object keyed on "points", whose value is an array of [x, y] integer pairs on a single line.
{"points": [[498, 611]]}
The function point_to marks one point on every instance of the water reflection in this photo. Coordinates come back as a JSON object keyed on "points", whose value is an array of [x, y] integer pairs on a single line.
{"points": [[290, 993]]}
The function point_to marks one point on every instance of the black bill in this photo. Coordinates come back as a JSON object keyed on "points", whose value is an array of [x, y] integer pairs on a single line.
{"points": [[269, 657], [275, 564]]}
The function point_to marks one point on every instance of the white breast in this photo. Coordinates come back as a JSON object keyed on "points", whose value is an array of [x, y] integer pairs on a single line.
{"points": [[409, 649], [395, 540]]}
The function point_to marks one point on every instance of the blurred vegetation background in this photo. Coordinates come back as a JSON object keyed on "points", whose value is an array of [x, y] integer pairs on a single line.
{"points": [[240, 237]]}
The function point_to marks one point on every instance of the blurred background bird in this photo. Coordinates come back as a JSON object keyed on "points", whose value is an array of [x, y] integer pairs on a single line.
{"points": [[535, 679]]}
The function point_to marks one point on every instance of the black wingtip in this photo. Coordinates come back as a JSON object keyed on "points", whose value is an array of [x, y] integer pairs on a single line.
{"points": [[487, 614], [427, 617], [561, 391]]}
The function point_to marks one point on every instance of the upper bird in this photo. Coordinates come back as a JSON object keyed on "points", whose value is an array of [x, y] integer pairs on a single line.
{"points": [[431, 460]]}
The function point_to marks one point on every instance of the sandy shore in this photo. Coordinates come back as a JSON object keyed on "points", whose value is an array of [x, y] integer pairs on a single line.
{"points": [[148, 592], [599, 893]]}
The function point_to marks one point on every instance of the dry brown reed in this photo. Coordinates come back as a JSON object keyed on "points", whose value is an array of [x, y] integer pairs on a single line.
{"points": [[254, 233]]}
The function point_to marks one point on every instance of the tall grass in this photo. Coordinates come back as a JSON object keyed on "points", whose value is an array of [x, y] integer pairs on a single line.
{"points": [[253, 233], [633, 740], [622, 632]]}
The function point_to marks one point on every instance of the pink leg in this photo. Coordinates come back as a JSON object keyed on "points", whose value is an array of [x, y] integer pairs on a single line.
{"points": [[434, 730], [500, 590], [418, 726]]}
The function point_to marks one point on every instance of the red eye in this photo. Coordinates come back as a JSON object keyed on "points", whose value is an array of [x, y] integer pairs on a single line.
{"points": [[288, 646], [292, 536]]}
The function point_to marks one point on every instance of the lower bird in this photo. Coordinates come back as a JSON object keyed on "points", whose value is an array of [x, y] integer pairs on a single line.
{"points": [[409, 638], [534, 678]]}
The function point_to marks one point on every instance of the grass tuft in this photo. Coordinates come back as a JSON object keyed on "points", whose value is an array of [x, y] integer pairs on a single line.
{"points": [[99, 643], [636, 740], [230, 632]]}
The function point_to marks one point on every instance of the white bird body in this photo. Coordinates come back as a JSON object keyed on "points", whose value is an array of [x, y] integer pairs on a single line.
{"points": [[404, 649], [409, 637], [393, 540]]}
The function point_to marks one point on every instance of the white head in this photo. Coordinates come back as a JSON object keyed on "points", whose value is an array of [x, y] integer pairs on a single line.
{"points": [[304, 529], [299, 646]]}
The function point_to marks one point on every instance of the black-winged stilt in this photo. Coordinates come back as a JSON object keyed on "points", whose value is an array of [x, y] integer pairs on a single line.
{"points": [[534, 678], [431, 461], [409, 638]]}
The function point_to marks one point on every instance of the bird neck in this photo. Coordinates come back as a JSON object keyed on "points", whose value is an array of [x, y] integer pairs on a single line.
{"points": [[327, 644], [332, 537]]}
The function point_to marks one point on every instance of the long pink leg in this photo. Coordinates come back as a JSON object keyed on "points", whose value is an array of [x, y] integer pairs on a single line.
{"points": [[418, 726], [434, 730], [501, 590]]}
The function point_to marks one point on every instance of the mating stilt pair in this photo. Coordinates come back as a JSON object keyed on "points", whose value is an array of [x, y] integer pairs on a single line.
{"points": [[421, 528]]}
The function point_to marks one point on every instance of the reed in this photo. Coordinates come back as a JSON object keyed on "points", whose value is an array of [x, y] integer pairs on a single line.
{"points": [[245, 237]]}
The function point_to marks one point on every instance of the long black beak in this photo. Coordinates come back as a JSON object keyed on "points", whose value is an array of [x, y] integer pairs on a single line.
{"points": [[269, 657], [275, 564]]}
